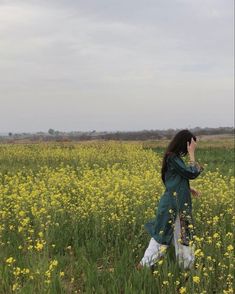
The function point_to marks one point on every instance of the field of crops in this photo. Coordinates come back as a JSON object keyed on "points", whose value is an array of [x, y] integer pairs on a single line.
{"points": [[72, 217]]}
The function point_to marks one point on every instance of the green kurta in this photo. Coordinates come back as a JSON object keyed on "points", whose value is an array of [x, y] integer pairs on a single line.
{"points": [[176, 199]]}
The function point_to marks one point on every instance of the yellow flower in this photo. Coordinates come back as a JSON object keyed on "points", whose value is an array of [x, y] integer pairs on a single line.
{"points": [[199, 252], [38, 246], [48, 273], [230, 247], [15, 287], [61, 274], [182, 290], [53, 264], [215, 219], [229, 291], [229, 234], [218, 244], [40, 234], [174, 193], [21, 213], [191, 243], [16, 271], [196, 279], [20, 229], [10, 260], [163, 249], [216, 235], [25, 271]]}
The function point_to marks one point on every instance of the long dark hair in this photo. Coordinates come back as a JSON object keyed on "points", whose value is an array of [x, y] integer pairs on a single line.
{"points": [[177, 146]]}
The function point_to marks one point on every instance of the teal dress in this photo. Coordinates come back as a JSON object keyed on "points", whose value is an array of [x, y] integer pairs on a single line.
{"points": [[175, 200]]}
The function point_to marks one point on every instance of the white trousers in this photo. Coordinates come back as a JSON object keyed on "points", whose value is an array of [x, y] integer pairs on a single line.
{"points": [[184, 254]]}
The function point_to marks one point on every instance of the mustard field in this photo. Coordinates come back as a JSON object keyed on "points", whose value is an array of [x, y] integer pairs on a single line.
{"points": [[72, 219]]}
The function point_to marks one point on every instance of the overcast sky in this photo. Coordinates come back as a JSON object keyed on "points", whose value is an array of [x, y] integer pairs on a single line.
{"points": [[110, 65]]}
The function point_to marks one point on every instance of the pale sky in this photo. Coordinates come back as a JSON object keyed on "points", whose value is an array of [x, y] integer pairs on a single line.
{"points": [[108, 65]]}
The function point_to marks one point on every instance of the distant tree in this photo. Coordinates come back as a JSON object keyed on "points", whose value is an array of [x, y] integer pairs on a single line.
{"points": [[10, 134], [51, 131]]}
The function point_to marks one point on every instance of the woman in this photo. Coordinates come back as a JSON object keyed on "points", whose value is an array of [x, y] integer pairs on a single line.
{"points": [[174, 222]]}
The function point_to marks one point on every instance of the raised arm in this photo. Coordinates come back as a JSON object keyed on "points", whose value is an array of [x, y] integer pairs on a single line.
{"points": [[191, 171]]}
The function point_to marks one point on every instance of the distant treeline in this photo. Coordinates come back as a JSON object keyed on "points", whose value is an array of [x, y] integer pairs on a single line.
{"points": [[55, 135]]}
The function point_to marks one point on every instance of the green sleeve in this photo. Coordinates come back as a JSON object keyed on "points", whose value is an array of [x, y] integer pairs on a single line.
{"points": [[191, 171]]}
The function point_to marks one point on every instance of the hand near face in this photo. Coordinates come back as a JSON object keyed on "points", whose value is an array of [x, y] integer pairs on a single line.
{"points": [[191, 146]]}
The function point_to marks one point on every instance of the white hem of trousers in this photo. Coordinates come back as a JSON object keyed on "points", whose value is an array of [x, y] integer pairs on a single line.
{"points": [[184, 254]]}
